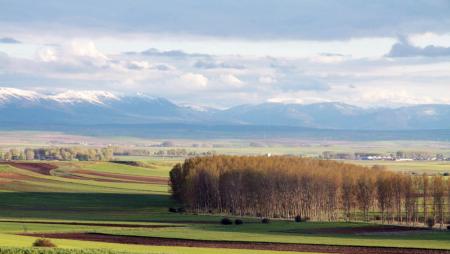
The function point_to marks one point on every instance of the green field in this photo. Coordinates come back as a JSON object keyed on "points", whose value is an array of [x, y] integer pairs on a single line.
{"points": [[102, 192]]}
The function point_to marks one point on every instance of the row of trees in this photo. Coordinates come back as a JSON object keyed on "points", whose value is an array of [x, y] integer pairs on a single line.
{"points": [[318, 189], [58, 153]]}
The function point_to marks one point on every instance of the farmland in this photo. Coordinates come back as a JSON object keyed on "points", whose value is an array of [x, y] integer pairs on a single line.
{"points": [[117, 200]]}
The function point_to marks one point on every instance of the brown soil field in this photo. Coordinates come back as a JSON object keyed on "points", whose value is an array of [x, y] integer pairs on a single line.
{"points": [[237, 244], [6, 177], [38, 167]]}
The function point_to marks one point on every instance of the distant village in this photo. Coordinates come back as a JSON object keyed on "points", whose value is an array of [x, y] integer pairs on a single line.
{"points": [[397, 156]]}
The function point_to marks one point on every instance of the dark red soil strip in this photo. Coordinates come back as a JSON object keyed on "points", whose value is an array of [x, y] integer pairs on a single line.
{"points": [[92, 224], [38, 167], [143, 179], [237, 244]]}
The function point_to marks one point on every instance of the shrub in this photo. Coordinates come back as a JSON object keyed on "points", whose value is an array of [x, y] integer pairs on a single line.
{"points": [[298, 218], [238, 222], [173, 210], [43, 243], [226, 221], [265, 221], [430, 223]]}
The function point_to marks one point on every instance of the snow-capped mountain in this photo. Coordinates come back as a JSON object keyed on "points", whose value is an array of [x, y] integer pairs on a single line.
{"points": [[8, 95], [24, 108], [71, 96], [87, 107]]}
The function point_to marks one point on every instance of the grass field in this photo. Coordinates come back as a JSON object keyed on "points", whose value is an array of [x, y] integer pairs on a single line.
{"points": [[79, 196]]}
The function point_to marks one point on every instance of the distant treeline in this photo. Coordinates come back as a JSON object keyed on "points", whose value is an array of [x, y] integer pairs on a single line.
{"points": [[281, 186], [59, 153], [174, 152]]}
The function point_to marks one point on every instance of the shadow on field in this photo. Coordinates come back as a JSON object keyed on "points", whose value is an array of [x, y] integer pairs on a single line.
{"points": [[87, 206]]}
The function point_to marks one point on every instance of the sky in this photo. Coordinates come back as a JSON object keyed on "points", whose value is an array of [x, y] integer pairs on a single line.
{"points": [[221, 53]]}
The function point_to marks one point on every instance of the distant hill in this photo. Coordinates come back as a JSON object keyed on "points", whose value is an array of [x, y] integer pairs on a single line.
{"points": [[23, 109]]}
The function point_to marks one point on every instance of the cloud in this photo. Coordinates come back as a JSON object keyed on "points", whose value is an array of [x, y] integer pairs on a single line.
{"points": [[9, 40], [404, 48], [139, 65], [302, 84], [146, 65], [75, 55], [253, 19], [231, 80], [163, 67], [193, 80], [266, 79], [201, 64], [86, 49], [169, 53], [47, 54], [329, 58], [389, 97]]}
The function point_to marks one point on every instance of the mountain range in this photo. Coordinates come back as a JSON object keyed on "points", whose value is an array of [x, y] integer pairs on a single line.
{"points": [[22, 109]]}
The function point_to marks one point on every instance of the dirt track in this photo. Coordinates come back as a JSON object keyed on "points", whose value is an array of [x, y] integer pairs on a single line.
{"points": [[38, 167], [237, 244]]}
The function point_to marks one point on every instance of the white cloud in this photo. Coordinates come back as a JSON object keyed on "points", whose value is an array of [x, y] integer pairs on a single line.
{"points": [[231, 79], [76, 52], [193, 80], [426, 39], [47, 54], [85, 48], [267, 79], [329, 58], [139, 65]]}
